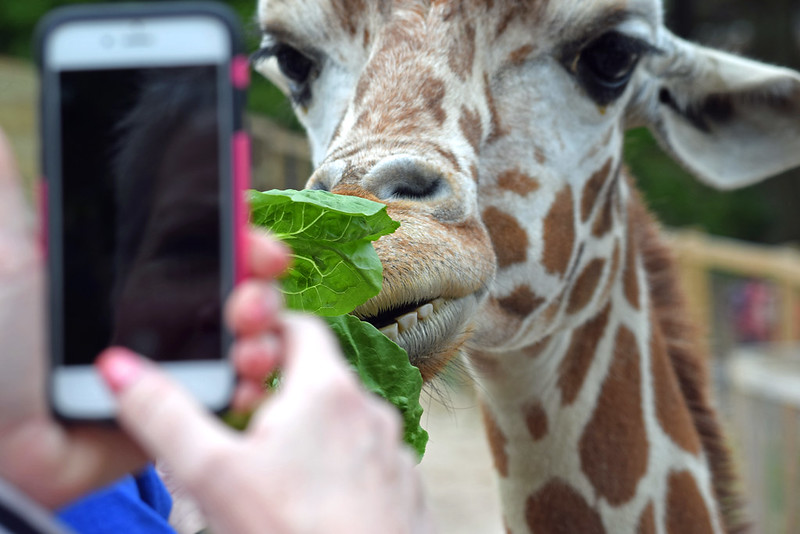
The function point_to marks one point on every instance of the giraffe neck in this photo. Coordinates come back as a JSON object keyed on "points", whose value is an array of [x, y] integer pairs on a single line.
{"points": [[591, 428]]}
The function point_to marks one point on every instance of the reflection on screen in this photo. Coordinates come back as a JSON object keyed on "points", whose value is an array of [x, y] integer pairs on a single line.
{"points": [[141, 213]]}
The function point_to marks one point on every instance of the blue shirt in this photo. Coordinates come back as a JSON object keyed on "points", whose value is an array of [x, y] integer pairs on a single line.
{"points": [[134, 505]]}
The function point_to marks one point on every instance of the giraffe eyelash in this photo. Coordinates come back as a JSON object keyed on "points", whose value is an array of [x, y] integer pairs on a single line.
{"points": [[262, 54], [297, 68]]}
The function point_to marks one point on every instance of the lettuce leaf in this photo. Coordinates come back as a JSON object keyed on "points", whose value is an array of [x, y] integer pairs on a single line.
{"points": [[336, 269], [335, 265], [384, 369]]}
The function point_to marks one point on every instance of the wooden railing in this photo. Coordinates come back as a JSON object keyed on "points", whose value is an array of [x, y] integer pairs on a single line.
{"points": [[699, 255]]}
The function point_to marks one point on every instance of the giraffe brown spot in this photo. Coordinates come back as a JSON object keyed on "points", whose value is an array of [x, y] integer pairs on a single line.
{"points": [[614, 445], [338, 129], [536, 421], [630, 280], [538, 153], [517, 182], [497, 441], [473, 170], [686, 509], [485, 365], [612, 274], [497, 130], [366, 37], [605, 219], [591, 191], [461, 56], [522, 301], [647, 521], [559, 233], [448, 155], [586, 285], [535, 350], [361, 89], [518, 56], [516, 11], [671, 409], [344, 10], [509, 239], [559, 509], [579, 356], [470, 123], [433, 92]]}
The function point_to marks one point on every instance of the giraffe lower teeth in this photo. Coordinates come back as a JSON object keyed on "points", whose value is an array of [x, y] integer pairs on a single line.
{"points": [[406, 322]]}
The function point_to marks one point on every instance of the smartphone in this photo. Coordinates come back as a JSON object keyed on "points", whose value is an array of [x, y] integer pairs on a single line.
{"points": [[145, 164]]}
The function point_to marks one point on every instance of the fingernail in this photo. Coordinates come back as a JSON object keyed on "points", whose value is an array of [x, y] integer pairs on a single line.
{"points": [[119, 367]]}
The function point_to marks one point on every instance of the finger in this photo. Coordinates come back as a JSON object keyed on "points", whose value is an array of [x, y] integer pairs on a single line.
{"points": [[248, 395], [55, 466], [256, 358], [312, 356], [267, 257], [163, 418], [253, 308]]}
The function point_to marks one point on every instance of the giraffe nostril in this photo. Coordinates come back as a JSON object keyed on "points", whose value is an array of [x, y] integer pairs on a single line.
{"points": [[414, 188], [405, 178], [319, 185]]}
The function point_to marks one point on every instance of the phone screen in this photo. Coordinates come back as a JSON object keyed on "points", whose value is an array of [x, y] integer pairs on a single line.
{"points": [[141, 213]]}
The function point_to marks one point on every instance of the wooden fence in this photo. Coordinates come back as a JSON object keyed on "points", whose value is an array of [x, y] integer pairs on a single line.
{"points": [[281, 159], [700, 256], [758, 384]]}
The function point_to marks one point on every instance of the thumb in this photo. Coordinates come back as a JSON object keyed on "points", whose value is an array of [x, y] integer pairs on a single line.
{"points": [[160, 415]]}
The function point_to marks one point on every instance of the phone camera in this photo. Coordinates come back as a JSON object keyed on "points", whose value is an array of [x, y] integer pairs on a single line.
{"points": [[106, 41]]}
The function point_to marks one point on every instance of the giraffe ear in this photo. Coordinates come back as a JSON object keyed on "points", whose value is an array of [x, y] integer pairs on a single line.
{"points": [[730, 120]]}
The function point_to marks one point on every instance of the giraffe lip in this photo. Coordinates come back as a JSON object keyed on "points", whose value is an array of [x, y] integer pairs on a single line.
{"points": [[426, 327], [399, 319]]}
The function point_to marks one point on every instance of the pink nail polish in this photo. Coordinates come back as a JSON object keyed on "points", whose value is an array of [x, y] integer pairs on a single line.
{"points": [[119, 368]]}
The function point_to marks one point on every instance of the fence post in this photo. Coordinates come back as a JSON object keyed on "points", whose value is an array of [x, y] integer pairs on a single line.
{"points": [[689, 248]]}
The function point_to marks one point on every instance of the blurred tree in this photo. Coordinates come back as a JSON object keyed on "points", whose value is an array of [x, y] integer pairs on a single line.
{"points": [[18, 19], [768, 30]]}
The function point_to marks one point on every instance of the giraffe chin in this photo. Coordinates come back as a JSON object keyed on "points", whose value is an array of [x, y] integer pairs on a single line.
{"points": [[432, 332]]}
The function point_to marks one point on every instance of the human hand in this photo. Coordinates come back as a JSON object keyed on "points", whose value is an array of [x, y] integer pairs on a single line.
{"points": [[50, 463], [320, 455]]}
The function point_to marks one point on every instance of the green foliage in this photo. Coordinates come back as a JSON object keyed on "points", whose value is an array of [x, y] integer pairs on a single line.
{"points": [[679, 199], [18, 19], [335, 265], [335, 270], [384, 369]]}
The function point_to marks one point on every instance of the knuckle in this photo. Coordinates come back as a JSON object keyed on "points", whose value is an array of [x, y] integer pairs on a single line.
{"points": [[341, 391], [216, 463], [385, 419]]}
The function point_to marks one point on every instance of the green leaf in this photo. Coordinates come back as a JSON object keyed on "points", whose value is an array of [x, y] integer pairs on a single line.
{"points": [[336, 269], [335, 266], [384, 369], [320, 215]]}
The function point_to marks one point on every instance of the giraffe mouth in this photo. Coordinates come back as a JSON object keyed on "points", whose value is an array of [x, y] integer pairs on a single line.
{"points": [[431, 331]]}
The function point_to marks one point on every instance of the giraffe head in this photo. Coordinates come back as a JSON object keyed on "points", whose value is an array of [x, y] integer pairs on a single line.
{"points": [[492, 129]]}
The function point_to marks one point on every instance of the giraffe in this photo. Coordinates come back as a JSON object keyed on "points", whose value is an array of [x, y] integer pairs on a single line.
{"points": [[493, 130]]}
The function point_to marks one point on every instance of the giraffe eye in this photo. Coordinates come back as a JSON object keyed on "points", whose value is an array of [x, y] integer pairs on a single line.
{"points": [[296, 69], [293, 64], [606, 65]]}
